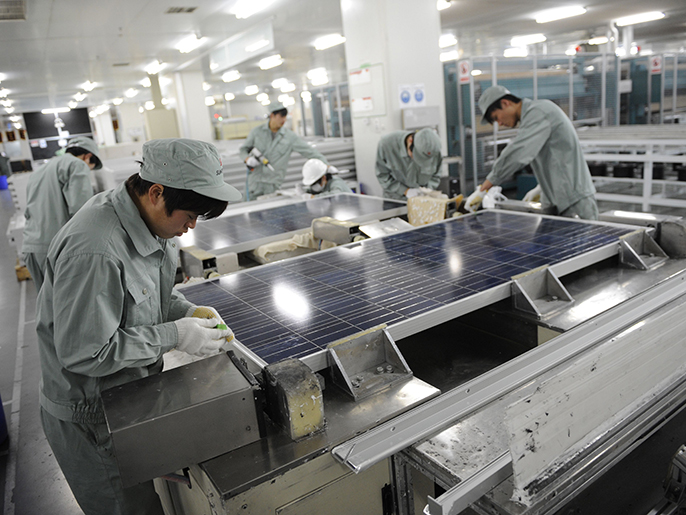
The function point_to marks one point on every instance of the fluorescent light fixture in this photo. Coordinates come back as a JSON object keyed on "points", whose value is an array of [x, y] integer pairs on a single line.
{"points": [[529, 39], [190, 43], [265, 102], [93, 114], [15, 118], [634, 49], [253, 89], [206, 86], [254, 47], [515, 52], [447, 40], [80, 96], [261, 97], [620, 51], [231, 76], [320, 81], [149, 105], [229, 96], [277, 83], [476, 73], [288, 101], [245, 8], [164, 101], [559, 14], [146, 83], [448, 56], [306, 96], [17, 125], [600, 40], [2, 77], [54, 110], [6, 102], [73, 104], [9, 110], [318, 76], [155, 67], [88, 86], [639, 18], [141, 109], [117, 101], [209, 101], [130, 93], [4, 92], [282, 98], [328, 41], [288, 87], [589, 68], [270, 62], [442, 4], [570, 51]]}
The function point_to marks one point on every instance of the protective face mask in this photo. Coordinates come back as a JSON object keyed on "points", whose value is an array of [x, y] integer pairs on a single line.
{"points": [[316, 187]]}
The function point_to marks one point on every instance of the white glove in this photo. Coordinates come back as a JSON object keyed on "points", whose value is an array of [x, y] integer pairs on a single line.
{"points": [[332, 170], [428, 192], [299, 188], [306, 196], [533, 195], [198, 336], [252, 162], [413, 192], [474, 200], [203, 312]]}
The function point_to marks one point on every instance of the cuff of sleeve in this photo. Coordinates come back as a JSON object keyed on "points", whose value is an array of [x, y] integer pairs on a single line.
{"points": [[191, 310]]}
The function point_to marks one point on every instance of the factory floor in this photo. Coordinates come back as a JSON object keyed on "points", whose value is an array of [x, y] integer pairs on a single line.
{"points": [[31, 482]]}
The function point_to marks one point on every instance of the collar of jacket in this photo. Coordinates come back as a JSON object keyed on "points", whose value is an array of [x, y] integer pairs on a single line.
{"points": [[144, 241]]}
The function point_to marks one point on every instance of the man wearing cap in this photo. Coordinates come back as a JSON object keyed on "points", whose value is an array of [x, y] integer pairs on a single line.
{"points": [[407, 161], [320, 179], [107, 311], [276, 143], [54, 193], [548, 142]]}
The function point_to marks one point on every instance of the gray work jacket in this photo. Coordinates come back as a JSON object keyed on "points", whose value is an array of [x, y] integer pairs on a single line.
{"points": [[335, 185]]}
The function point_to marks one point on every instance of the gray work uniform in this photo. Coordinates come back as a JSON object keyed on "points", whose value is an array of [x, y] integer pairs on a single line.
{"points": [[277, 149], [333, 186], [104, 317], [54, 193], [548, 142], [396, 171]]}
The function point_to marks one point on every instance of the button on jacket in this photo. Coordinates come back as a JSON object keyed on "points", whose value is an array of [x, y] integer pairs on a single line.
{"points": [[106, 310], [548, 142], [396, 171]]}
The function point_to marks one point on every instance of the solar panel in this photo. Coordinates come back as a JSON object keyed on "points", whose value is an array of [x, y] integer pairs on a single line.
{"points": [[247, 230], [297, 307]]}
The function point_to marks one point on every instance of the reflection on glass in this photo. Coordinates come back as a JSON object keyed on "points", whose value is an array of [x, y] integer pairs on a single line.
{"points": [[290, 302]]}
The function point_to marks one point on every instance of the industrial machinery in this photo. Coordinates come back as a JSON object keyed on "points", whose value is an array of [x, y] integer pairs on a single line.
{"points": [[505, 359]]}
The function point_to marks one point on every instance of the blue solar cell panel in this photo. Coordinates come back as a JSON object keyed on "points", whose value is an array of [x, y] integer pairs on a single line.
{"points": [[299, 306]]}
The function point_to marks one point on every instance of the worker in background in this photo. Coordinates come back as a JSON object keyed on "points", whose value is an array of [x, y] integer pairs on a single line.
{"points": [[319, 179], [548, 142], [275, 143], [407, 161], [107, 311], [54, 193]]}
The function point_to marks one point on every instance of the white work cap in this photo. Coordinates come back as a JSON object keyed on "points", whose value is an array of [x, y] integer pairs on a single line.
{"points": [[313, 170]]}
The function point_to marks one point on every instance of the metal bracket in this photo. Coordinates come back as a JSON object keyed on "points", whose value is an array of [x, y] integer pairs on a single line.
{"points": [[540, 293], [639, 250]]}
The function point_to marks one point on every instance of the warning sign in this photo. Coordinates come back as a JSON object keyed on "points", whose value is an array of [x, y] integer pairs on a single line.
{"points": [[655, 64], [464, 70]]}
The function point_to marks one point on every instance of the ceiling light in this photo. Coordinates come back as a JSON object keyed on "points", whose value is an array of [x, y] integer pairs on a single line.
{"points": [[149, 105], [289, 101], [17, 126], [328, 41], [190, 43], [2, 77], [245, 8], [229, 96], [530, 39], [265, 102], [318, 76], [54, 110], [209, 101], [639, 18], [4, 92], [277, 83], [449, 56], [117, 101], [231, 76], [73, 104], [15, 118], [164, 101], [88, 86], [476, 73], [570, 51], [80, 96], [146, 83], [155, 67], [253, 89], [447, 40], [270, 62], [9, 110], [515, 52], [6, 102], [442, 4], [141, 109], [130, 93], [261, 97], [288, 87], [206, 86], [559, 14], [93, 114], [600, 40], [254, 47], [306, 96]]}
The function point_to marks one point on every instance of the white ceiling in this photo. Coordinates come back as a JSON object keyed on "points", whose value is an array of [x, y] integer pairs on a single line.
{"points": [[63, 43]]}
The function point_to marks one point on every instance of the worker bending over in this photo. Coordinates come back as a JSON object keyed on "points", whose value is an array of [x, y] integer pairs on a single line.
{"points": [[275, 143], [54, 193], [320, 180], [548, 142], [407, 161], [107, 311]]}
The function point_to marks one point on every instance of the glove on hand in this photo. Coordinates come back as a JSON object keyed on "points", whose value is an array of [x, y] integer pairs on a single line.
{"points": [[413, 192], [252, 162], [474, 200], [533, 195], [203, 312], [198, 336]]}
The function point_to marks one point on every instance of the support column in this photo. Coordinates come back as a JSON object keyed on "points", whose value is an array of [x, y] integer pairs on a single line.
{"points": [[192, 114], [383, 34]]}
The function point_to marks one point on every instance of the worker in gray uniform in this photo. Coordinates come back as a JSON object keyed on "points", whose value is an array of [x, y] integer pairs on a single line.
{"points": [[275, 143], [54, 193], [107, 311], [548, 142], [319, 179], [407, 161]]}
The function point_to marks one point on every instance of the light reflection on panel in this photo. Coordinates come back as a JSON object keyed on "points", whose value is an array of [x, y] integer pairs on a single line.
{"points": [[299, 306], [230, 230]]}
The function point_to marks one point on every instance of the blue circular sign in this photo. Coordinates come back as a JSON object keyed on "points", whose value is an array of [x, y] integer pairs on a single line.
{"points": [[405, 96], [419, 95]]}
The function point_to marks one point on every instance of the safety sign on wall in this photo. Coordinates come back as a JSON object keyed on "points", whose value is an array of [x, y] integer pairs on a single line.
{"points": [[655, 64], [411, 95], [463, 71]]}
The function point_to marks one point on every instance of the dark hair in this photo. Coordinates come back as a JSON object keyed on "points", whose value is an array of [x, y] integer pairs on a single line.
{"points": [[497, 105], [281, 112], [79, 151], [174, 198]]}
